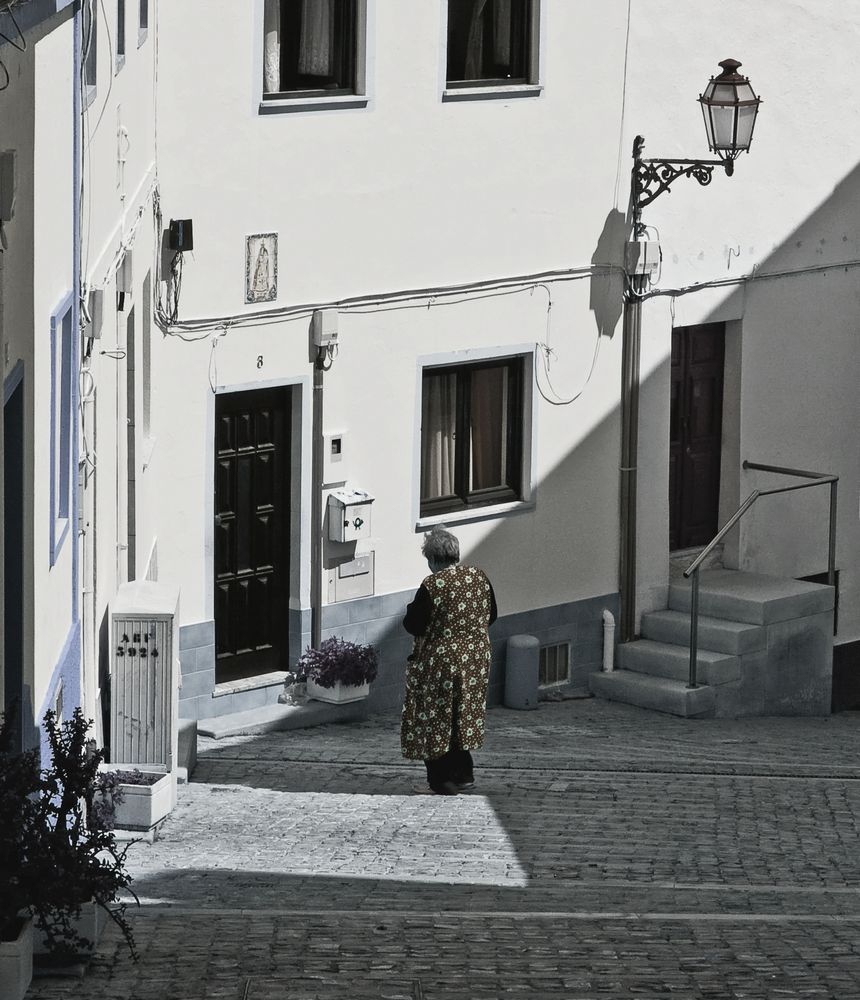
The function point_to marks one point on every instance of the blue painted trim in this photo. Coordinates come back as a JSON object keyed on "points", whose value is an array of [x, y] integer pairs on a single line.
{"points": [[12, 381], [67, 671], [77, 146], [61, 436]]}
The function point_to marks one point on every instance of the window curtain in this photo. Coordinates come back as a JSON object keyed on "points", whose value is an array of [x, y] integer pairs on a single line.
{"points": [[489, 405], [317, 41], [272, 47], [438, 426], [502, 14], [475, 42]]}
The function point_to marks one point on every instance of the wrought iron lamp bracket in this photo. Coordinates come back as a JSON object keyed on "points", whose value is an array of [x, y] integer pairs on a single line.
{"points": [[651, 177]]}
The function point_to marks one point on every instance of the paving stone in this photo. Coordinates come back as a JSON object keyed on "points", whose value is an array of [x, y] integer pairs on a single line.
{"points": [[605, 852]]}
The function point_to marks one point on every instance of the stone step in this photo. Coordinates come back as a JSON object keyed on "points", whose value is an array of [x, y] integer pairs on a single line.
{"points": [[279, 718], [659, 694], [717, 634], [663, 659], [752, 597]]}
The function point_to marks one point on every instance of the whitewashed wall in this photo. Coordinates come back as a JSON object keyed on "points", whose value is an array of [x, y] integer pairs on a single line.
{"points": [[408, 193], [118, 179], [791, 205]]}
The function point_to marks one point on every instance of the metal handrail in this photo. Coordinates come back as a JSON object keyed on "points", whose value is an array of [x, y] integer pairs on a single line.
{"points": [[819, 479]]}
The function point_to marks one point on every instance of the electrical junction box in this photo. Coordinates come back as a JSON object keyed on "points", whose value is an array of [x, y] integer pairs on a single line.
{"points": [[349, 515], [95, 309], [125, 274], [352, 579], [334, 464], [324, 327], [145, 675], [643, 257]]}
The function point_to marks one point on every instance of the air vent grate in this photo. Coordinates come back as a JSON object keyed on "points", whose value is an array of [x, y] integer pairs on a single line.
{"points": [[554, 664]]}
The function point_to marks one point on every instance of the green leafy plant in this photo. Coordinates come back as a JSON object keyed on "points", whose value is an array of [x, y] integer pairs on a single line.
{"points": [[338, 660], [75, 861], [20, 829]]}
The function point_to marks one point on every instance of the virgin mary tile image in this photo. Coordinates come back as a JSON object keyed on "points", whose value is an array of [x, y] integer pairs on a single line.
{"points": [[261, 267]]}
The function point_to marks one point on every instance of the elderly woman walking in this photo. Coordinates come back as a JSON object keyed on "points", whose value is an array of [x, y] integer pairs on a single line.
{"points": [[446, 680]]}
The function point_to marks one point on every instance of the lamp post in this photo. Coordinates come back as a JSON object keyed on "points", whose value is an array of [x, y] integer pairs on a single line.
{"points": [[729, 107]]}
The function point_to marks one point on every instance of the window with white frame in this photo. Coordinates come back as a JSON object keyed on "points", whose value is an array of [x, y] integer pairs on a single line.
{"points": [[472, 426], [120, 33], [142, 22], [311, 48], [490, 43], [61, 426], [90, 50]]}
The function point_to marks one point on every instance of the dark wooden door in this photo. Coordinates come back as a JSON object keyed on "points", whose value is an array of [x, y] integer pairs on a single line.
{"points": [[695, 436], [13, 565], [252, 530]]}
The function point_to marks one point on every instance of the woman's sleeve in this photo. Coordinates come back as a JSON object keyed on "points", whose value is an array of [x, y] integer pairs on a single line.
{"points": [[418, 612], [494, 611]]}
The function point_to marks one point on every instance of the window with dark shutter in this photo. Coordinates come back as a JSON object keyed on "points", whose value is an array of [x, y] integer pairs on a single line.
{"points": [[471, 435]]}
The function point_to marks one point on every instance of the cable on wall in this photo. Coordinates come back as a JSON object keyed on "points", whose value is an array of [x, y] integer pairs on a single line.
{"points": [[20, 46]]}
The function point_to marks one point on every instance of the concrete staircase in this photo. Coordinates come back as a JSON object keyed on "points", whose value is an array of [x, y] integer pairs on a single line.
{"points": [[765, 647]]}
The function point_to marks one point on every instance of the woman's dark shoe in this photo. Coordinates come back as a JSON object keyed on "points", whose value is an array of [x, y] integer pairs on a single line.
{"points": [[446, 788], [464, 785]]}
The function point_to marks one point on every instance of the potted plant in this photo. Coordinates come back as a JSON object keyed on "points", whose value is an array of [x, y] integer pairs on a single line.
{"points": [[131, 799], [77, 870], [339, 671], [19, 834]]}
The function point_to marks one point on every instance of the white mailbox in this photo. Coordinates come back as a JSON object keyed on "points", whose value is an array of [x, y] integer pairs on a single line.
{"points": [[349, 515]]}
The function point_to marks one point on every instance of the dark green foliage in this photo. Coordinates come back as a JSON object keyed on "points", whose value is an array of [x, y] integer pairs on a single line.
{"points": [[51, 859], [20, 783]]}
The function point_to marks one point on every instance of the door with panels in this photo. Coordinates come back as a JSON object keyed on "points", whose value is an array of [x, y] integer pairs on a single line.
{"points": [[252, 532]]}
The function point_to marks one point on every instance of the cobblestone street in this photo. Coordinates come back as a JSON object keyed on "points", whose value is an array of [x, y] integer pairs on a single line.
{"points": [[606, 852]]}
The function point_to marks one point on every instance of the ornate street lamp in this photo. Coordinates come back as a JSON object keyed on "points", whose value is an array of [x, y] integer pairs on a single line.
{"points": [[729, 106]]}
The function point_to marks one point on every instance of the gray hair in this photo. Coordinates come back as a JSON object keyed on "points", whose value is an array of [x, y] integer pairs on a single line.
{"points": [[441, 547]]}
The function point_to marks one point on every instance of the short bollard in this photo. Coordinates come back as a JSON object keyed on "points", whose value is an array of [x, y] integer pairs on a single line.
{"points": [[522, 665]]}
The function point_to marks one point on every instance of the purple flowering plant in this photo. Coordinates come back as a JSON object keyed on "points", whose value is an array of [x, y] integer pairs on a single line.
{"points": [[338, 660]]}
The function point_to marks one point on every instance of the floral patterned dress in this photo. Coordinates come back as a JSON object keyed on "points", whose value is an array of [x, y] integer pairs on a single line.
{"points": [[446, 683]]}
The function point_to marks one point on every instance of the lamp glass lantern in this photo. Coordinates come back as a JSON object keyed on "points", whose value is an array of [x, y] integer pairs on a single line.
{"points": [[729, 107]]}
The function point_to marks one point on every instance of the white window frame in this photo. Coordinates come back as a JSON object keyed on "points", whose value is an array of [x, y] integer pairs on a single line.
{"points": [[62, 428], [532, 88], [121, 36], [90, 58], [530, 413], [365, 61], [142, 29]]}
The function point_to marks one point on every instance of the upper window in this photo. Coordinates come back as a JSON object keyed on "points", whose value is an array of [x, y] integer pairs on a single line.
{"points": [[142, 21], [90, 47], [120, 33], [489, 42], [471, 435], [61, 425], [310, 48]]}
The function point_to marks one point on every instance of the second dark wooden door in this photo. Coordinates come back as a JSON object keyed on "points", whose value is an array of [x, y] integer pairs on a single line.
{"points": [[695, 442], [252, 520]]}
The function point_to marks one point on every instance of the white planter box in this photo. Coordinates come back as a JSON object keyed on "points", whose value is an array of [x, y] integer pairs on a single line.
{"points": [[90, 925], [16, 963], [340, 694], [143, 806]]}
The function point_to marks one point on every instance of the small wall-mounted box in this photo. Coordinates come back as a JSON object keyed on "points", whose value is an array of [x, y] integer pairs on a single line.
{"points": [[324, 327], [94, 313], [642, 257], [7, 185], [334, 464], [349, 515]]}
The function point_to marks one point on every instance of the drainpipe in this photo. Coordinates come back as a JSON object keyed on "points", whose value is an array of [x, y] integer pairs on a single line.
{"points": [[608, 641], [316, 500], [629, 448]]}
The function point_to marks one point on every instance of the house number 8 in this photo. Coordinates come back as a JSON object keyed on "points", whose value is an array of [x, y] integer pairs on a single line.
{"points": [[259, 360]]}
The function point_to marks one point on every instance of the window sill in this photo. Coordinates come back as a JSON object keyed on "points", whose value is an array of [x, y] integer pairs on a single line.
{"points": [[476, 514], [148, 448], [120, 62], [89, 95], [290, 105], [501, 93], [141, 36], [273, 679]]}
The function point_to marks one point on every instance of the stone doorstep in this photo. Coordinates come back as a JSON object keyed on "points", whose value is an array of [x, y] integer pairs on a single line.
{"points": [[279, 718], [659, 694], [752, 597], [717, 634], [666, 660]]}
